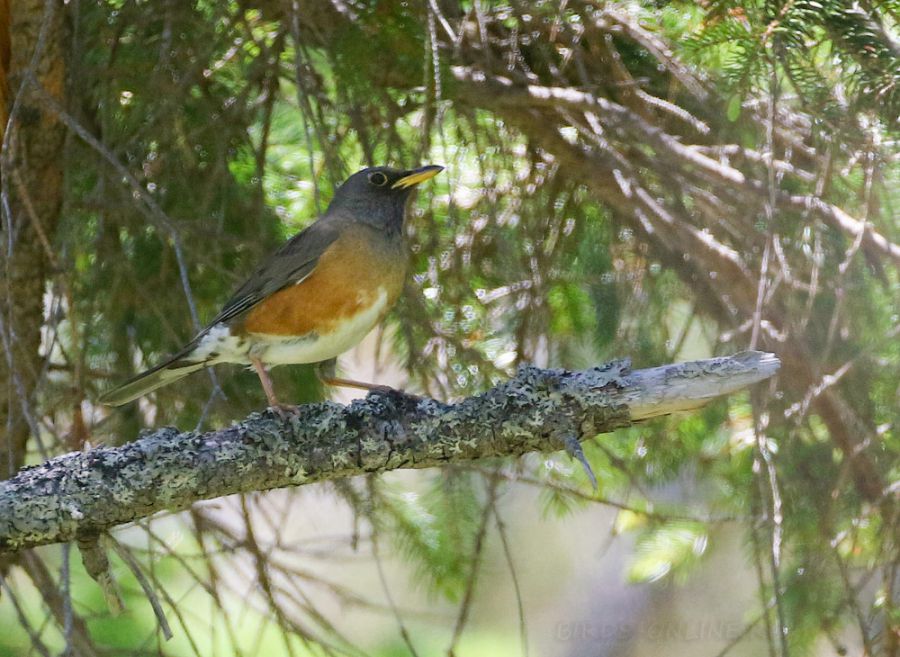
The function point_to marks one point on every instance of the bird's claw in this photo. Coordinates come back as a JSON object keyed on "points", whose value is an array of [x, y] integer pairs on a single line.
{"points": [[388, 391], [283, 411]]}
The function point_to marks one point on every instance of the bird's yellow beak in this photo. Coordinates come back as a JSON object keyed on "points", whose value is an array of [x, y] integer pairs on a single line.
{"points": [[416, 176]]}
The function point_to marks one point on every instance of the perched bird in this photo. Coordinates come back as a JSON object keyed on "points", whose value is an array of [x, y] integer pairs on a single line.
{"points": [[314, 298]]}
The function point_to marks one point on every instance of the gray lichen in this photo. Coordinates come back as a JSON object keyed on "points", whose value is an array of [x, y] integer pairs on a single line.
{"points": [[82, 494]]}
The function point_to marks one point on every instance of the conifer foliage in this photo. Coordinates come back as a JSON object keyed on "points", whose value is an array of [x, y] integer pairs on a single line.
{"points": [[656, 180]]}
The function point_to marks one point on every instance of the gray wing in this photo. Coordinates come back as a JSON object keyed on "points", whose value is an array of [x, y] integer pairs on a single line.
{"points": [[289, 265]]}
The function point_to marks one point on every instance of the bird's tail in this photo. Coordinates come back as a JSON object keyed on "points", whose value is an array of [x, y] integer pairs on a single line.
{"points": [[177, 367]]}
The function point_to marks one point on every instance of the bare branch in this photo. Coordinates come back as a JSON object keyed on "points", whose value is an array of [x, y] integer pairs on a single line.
{"points": [[504, 92], [88, 492]]}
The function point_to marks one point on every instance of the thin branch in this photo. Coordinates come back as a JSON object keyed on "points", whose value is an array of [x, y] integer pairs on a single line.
{"points": [[465, 606], [35, 635], [382, 577], [504, 92], [513, 575], [152, 598]]}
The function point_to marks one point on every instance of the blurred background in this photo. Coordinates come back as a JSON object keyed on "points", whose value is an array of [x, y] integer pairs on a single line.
{"points": [[653, 180]]}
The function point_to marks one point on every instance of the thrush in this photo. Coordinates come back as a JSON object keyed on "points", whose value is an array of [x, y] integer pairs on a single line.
{"points": [[315, 297]]}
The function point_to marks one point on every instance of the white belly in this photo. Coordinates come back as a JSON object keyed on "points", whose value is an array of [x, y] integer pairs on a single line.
{"points": [[313, 348]]}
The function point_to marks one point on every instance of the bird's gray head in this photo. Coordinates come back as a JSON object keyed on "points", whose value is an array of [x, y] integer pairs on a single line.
{"points": [[378, 195]]}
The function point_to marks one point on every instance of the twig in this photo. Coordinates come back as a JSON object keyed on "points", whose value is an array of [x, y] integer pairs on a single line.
{"points": [[520, 607], [65, 590], [474, 566], [777, 520], [96, 563], [382, 577], [35, 637], [151, 207], [135, 568]]}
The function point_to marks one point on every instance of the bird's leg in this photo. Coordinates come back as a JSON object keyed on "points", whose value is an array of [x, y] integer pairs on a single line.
{"points": [[359, 385], [267, 386], [325, 373]]}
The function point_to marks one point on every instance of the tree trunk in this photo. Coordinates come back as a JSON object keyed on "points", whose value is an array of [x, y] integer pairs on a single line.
{"points": [[32, 186]]}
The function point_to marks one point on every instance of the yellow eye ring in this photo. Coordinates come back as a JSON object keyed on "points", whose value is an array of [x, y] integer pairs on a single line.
{"points": [[378, 179]]}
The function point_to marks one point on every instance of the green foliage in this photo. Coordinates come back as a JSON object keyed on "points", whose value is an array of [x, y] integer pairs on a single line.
{"points": [[819, 45], [240, 135], [435, 531], [672, 548]]}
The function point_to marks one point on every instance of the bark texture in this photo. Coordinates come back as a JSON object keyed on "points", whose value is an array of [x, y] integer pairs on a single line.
{"points": [[32, 192], [80, 494]]}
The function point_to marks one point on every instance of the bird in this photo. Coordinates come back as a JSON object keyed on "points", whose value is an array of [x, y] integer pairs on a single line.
{"points": [[316, 297]]}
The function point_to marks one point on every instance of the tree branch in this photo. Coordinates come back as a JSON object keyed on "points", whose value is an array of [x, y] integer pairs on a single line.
{"points": [[83, 493], [504, 92]]}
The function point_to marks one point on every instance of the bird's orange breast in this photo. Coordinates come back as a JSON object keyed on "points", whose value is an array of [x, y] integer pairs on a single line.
{"points": [[350, 277]]}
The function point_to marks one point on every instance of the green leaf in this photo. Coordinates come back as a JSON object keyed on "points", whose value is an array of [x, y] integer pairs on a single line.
{"points": [[734, 107]]}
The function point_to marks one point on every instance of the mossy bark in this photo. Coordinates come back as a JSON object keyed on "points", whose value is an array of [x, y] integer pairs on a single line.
{"points": [[80, 494]]}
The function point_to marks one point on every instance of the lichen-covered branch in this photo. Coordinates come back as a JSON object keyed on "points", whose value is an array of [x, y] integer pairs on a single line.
{"points": [[82, 493]]}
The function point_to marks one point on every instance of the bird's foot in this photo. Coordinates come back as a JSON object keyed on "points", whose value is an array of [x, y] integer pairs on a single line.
{"points": [[283, 411], [376, 388], [388, 391]]}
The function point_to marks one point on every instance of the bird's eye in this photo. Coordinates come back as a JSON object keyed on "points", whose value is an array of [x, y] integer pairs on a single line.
{"points": [[377, 178]]}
